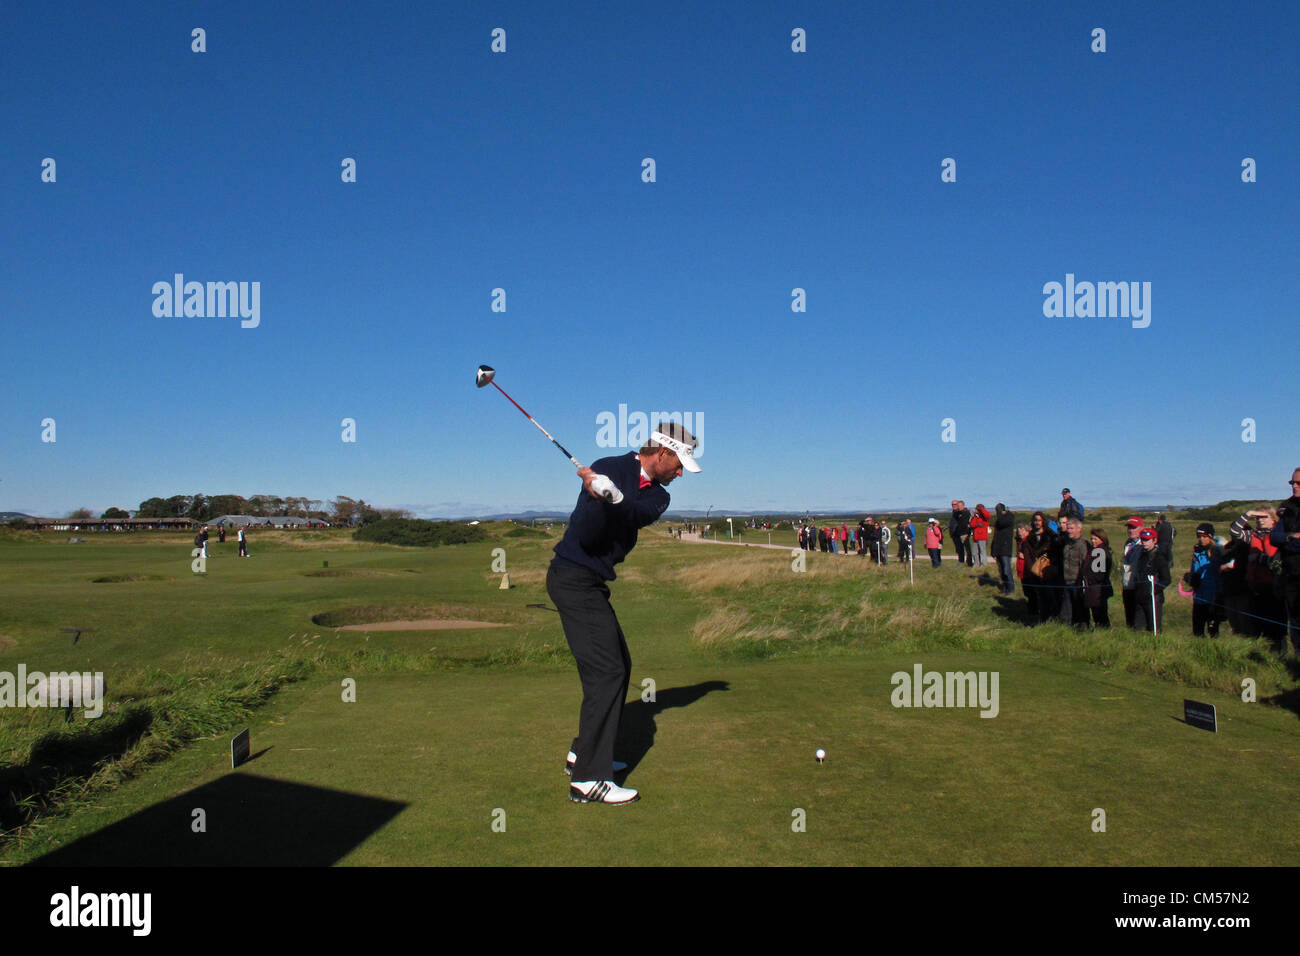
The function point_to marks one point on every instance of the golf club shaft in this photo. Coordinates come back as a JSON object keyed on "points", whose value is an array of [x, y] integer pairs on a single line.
{"points": [[565, 451]]}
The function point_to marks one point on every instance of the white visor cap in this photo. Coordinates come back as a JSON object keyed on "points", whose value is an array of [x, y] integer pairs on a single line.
{"points": [[685, 452]]}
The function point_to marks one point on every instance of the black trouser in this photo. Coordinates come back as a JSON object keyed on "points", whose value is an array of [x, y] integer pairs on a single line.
{"points": [[1236, 605], [959, 544], [604, 665], [1006, 571], [1130, 606], [1050, 595], [1204, 617], [1101, 613], [1291, 596], [1073, 611], [1266, 617], [1142, 611]]}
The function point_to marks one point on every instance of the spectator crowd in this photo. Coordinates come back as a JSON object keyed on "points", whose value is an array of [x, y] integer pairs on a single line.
{"points": [[1249, 579]]}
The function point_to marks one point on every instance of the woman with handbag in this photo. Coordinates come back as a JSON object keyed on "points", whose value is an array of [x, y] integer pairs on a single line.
{"points": [[1038, 570], [1097, 589]]}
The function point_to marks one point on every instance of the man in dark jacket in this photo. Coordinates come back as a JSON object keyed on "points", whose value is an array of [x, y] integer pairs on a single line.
{"points": [[1074, 558], [1165, 539], [1128, 577], [1285, 536], [1152, 579], [959, 528], [1004, 547], [600, 534], [1070, 508], [906, 535]]}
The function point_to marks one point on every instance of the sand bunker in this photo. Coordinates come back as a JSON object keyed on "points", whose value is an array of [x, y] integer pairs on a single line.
{"points": [[428, 624], [357, 572]]}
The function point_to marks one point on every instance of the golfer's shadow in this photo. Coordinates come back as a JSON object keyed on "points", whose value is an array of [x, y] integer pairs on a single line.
{"points": [[637, 728]]}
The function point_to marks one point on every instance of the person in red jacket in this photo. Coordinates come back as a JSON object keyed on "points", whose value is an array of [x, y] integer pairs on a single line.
{"points": [[979, 533], [1266, 613]]}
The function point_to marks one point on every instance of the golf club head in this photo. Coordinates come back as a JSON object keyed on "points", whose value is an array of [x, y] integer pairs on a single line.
{"points": [[484, 375]]}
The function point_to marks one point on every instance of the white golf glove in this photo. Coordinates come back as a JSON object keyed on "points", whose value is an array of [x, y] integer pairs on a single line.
{"points": [[606, 488]]}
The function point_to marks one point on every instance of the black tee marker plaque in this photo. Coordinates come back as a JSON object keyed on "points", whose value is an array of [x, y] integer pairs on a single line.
{"points": [[1201, 715], [240, 746]]}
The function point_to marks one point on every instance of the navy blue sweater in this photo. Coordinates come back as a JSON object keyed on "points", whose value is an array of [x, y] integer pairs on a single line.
{"points": [[600, 534]]}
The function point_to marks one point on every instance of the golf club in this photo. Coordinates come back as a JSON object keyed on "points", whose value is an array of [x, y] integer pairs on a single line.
{"points": [[601, 485]]}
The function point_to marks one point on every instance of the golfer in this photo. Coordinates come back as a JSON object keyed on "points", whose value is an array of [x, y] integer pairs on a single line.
{"points": [[600, 535]]}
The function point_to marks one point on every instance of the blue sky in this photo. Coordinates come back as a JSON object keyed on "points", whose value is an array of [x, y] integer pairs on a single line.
{"points": [[775, 170]]}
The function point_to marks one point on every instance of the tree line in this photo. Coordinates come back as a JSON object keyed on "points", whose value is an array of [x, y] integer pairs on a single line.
{"points": [[341, 510]]}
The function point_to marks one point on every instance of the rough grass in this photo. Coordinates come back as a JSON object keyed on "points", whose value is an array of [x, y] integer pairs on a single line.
{"points": [[75, 761], [757, 607]]}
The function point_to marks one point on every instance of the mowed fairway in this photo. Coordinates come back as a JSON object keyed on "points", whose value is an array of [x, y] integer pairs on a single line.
{"points": [[452, 752]]}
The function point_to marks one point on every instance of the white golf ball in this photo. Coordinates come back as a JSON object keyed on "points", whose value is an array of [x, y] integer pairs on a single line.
{"points": [[821, 755]]}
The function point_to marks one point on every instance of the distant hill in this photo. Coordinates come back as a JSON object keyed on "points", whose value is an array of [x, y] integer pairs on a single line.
{"points": [[520, 516]]}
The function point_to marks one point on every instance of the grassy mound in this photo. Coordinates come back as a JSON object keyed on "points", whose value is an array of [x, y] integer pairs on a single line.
{"points": [[418, 533], [525, 532]]}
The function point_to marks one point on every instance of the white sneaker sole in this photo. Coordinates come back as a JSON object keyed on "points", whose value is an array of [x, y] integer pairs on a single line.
{"points": [[577, 796]]}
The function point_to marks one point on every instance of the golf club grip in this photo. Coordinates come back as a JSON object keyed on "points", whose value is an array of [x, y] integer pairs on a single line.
{"points": [[576, 463]]}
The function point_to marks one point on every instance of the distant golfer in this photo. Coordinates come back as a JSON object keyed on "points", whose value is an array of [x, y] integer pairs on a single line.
{"points": [[599, 536]]}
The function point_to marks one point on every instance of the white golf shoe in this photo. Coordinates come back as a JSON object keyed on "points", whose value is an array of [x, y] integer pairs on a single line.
{"points": [[572, 758], [601, 791]]}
